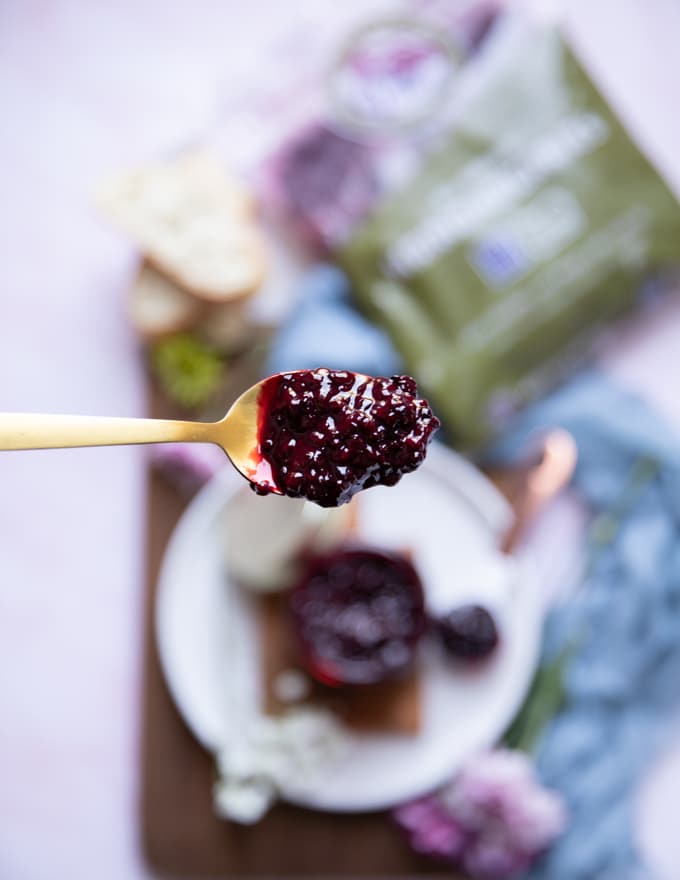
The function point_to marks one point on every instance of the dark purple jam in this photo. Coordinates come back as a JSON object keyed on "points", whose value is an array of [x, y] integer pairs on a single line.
{"points": [[327, 434], [328, 184], [358, 615], [468, 632]]}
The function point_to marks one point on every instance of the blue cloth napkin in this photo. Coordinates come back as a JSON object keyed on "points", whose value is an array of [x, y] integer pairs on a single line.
{"points": [[622, 681]]}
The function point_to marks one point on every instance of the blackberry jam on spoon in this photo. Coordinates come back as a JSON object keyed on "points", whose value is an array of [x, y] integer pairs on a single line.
{"points": [[317, 434], [327, 434]]}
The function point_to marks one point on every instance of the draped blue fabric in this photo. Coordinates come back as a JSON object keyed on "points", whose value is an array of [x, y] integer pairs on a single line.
{"points": [[622, 682]]}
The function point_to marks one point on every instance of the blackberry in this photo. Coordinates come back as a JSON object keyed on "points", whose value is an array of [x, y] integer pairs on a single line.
{"points": [[468, 632]]}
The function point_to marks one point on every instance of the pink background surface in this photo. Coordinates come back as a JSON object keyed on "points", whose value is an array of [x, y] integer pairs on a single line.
{"points": [[87, 87]]}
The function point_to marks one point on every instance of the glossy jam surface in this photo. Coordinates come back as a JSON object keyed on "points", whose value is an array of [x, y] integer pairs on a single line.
{"points": [[358, 615], [468, 632], [327, 434]]}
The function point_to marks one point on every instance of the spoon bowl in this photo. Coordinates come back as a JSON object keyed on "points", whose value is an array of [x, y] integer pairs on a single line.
{"points": [[238, 435]]}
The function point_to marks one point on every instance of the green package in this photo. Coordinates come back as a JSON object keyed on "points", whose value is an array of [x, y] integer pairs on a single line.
{"points": [[517, 243]]}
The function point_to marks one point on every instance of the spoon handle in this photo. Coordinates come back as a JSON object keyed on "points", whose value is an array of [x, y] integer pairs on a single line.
{"points": [[34, 431]]}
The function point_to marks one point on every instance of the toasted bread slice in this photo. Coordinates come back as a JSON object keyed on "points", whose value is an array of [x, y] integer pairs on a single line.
{"points": [[390, 706], [226, 326], [158, 307], [193, 223]]}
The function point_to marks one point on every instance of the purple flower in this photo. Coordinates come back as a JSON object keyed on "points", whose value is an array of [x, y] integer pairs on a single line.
{"points": [[187, 466], [327, 182], [489, 860], [430, 828], [493, 820]]}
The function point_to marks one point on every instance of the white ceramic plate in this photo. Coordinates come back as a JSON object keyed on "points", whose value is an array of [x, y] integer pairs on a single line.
{"points": [[449, 516]]}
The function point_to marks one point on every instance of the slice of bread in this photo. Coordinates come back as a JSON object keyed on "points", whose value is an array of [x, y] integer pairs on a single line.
{"points": [[158, 307], [193, 223], [389, 706], [226, 326]]}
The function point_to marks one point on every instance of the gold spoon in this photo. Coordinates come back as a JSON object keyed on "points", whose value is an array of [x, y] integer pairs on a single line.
{"points": [[236, 433]]}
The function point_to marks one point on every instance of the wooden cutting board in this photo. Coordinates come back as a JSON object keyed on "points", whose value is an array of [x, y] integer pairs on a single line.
{"points": [[181, 835]]}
